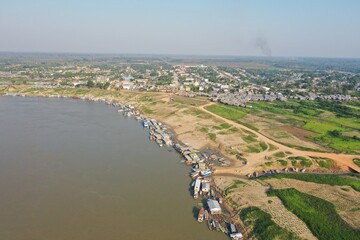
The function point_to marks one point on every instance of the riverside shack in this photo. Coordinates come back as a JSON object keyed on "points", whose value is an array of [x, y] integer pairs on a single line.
{"points": [[214, 206]]}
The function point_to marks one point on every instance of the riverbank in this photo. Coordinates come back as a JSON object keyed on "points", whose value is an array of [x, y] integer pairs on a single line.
{"points": [[201, 162], [191, 126], [247, 150]]}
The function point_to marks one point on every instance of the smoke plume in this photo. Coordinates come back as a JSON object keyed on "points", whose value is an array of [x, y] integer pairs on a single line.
{"points": [[263, 45]]}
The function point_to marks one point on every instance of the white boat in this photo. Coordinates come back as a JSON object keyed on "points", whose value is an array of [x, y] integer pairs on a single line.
{"points": [[201, 215], [197, 185]]}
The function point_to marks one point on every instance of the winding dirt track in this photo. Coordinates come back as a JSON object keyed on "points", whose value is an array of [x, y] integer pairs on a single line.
{"points": [[345, 161]]}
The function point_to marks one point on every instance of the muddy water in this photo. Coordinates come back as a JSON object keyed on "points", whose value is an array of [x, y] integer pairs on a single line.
{"points": [[78, 170]]}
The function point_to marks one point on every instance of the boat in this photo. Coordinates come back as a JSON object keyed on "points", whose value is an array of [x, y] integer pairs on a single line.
{"points": [[206, 173], [236, 236], [201, 215], [197, 185]]}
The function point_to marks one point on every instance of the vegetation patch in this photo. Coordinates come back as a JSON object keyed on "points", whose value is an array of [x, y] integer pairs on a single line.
{"points": [[283, 162], [147, 110], [357, 161], [234, 185], [233, 130], [222, 126], [319, 215], [330, 179], [248, 125], [249, 139], [212, 136], [262, 227], [225, 125], [332, 133], [324, 162], [229, 112], [204, 129], [254, 149], [189, 101], [280, 154], [268, 164], [199, 113], [304, 162], [272, 147], [146, 98], [263, 146]]}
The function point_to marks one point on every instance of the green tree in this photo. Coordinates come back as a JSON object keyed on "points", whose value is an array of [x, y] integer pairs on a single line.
{"points": [[90, 84]]}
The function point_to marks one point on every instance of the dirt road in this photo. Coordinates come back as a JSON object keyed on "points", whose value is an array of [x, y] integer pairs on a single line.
{"points": [[344, 161]]}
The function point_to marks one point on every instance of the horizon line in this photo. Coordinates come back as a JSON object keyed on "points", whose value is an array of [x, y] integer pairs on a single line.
{"points": [[171, 54]]}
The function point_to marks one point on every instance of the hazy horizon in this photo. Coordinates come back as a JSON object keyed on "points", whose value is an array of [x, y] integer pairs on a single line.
{"points": [[325, 29]]}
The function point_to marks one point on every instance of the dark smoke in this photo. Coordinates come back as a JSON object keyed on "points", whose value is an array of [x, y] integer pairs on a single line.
{"points": [[262, 43]]}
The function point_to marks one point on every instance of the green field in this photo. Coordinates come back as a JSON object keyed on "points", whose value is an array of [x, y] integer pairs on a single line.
{"points": [[336, 125], [229, 112], [330, 179], [262, 226], [319, 215], [280, 154]]}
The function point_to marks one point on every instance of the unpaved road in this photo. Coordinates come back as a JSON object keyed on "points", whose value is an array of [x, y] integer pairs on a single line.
{"points": [[344, 161]]}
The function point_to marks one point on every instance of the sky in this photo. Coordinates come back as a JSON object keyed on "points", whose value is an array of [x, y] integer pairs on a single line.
{"points": [[306, 28]]}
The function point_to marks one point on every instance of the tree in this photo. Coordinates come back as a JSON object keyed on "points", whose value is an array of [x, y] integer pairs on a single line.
{"points": [[90, 84], [335, 133], [106, 85]]}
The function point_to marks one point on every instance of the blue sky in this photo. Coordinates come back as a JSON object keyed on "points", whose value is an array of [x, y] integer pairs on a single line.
{"points": [[316, 28]]}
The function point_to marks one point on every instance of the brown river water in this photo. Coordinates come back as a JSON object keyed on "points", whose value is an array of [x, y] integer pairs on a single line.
{"points": [[78, 170]]}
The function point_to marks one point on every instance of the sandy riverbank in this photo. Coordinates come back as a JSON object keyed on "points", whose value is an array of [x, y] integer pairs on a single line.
{"points": [[192, 124]]}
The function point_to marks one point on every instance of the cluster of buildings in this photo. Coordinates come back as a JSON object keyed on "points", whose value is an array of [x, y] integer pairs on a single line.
{"points": [[233, 86], [241, 99]]}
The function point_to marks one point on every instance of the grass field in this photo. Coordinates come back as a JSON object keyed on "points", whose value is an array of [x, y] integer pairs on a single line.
{"points": [[229, 112], [319, 215], [330, 179], [280, 154], [283, 162], [320, 117], [324, 162], [262, 226]]}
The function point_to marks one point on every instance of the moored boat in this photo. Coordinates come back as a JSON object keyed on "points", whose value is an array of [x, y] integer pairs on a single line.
{"points": [[206, 215], [201, 215], [206, 173]]}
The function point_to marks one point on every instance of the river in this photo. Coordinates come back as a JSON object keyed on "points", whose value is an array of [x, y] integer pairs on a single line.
{"points": [[72, 169]]}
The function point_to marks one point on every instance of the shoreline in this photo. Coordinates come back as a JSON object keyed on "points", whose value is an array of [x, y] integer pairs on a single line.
{"points": [[232, 212], [166, 137]]}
